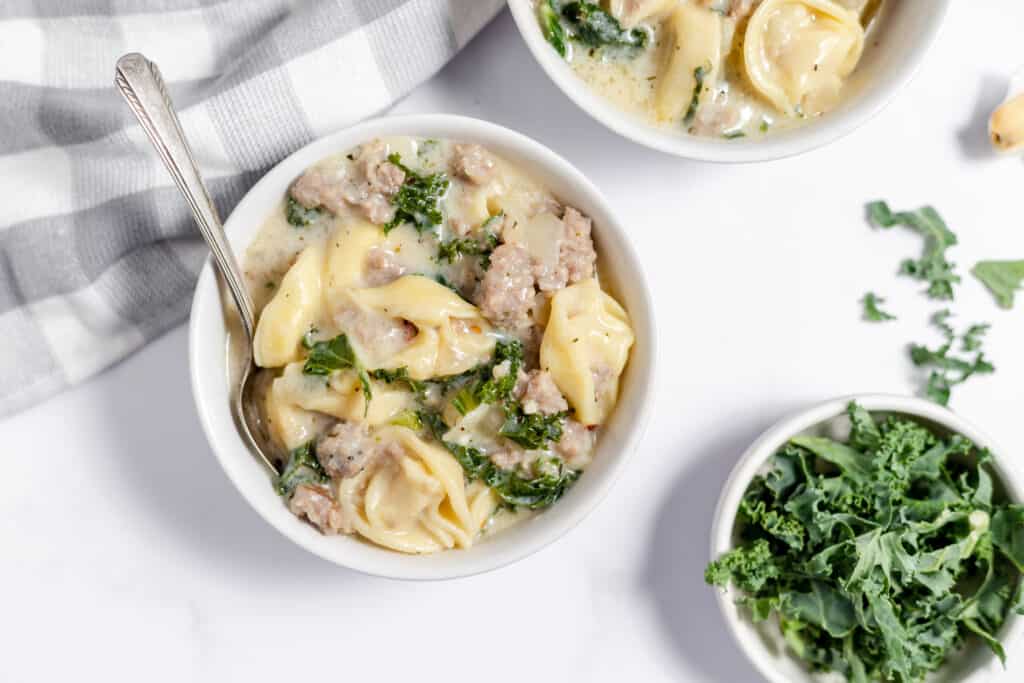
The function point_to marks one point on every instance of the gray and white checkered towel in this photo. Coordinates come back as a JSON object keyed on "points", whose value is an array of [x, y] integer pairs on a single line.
{"points": [[98, 254]]}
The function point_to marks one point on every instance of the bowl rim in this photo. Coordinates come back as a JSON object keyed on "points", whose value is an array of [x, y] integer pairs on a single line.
{"points": [[783, 430], [212, 402], [797, 141]]}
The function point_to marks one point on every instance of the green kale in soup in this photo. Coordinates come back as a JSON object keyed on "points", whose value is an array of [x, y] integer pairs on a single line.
{"points": [[880, 555], [298, 215], [418, 200], [589, 25], [332, 355], [593, 27], [302, 468], [551, 477], [552, 28]]}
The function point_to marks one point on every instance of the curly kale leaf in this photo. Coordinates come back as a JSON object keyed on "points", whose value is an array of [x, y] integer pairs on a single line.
{"points": [[401, 375], [932, 267], [1003, 279], [336, 354], [454, 249], [880, 554], [533, 431], [418, 200], [552, 27], [593, 27], [872, 309], [302, 468], [483, 386], [552, 478], [947, 370]]}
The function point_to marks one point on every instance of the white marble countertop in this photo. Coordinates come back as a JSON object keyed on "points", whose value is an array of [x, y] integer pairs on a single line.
{"points": [[127, 553]]}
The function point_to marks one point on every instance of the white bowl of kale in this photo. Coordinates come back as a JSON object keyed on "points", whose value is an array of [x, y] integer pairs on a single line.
{"points": [[872, 538]]}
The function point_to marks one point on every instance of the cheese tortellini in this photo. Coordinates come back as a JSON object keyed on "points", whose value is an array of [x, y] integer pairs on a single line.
{"points": [[585, 348], [452, 336], [414, 499], [798, 53], [728, 69], [692, 54], [401, 339], [292, 311]]}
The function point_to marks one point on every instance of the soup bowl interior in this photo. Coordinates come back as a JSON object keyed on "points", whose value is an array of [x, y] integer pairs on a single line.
{"points": [[762, 642], [621, 276], [898, 43]]}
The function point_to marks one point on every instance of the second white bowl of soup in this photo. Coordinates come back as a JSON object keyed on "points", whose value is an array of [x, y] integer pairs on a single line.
{"points": [[451, 364], [730, 80]]}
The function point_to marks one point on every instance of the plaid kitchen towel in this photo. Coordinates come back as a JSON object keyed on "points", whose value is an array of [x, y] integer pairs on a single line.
{"points": [[98, 254]]}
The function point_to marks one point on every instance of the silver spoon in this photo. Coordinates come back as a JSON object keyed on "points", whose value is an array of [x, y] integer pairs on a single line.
{"points": [[143, 88]]}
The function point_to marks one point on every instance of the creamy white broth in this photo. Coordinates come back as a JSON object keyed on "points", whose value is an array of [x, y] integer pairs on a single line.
{"points": [[491, 366], [766, 65]]}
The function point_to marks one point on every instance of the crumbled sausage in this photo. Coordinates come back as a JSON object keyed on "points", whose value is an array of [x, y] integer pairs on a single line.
{"points": [[576, 255], [473, 163], [321, 187], [369, 188], [506, 293], [382, 175], [576, 444], [369, 330], [577, 251], [345, 449], [541, 395], [382, 267], [511, 457], [316, 504]]}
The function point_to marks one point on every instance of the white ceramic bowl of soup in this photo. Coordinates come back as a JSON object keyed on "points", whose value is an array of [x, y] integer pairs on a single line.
{"points": [[975, 663], [895, 48], [621, 275]]}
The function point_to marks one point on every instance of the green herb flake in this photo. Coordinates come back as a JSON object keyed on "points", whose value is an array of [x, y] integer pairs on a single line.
{"points": [[878, 555], [872, 311], [418, 200], [733, 135], [298, 215], [698, 77], [932, 267], [408, 419], [1003, 279]]}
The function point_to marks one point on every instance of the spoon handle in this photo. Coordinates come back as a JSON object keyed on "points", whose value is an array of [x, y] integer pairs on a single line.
{"points": [[143, 88]]}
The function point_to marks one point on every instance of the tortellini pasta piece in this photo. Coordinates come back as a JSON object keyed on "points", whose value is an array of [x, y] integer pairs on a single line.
{"points": [[296, 403], [797, 53], [691, 56], [632, 12], [585, 348], [451, 337], [291, 312], [347, 250], [413, 498]]}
